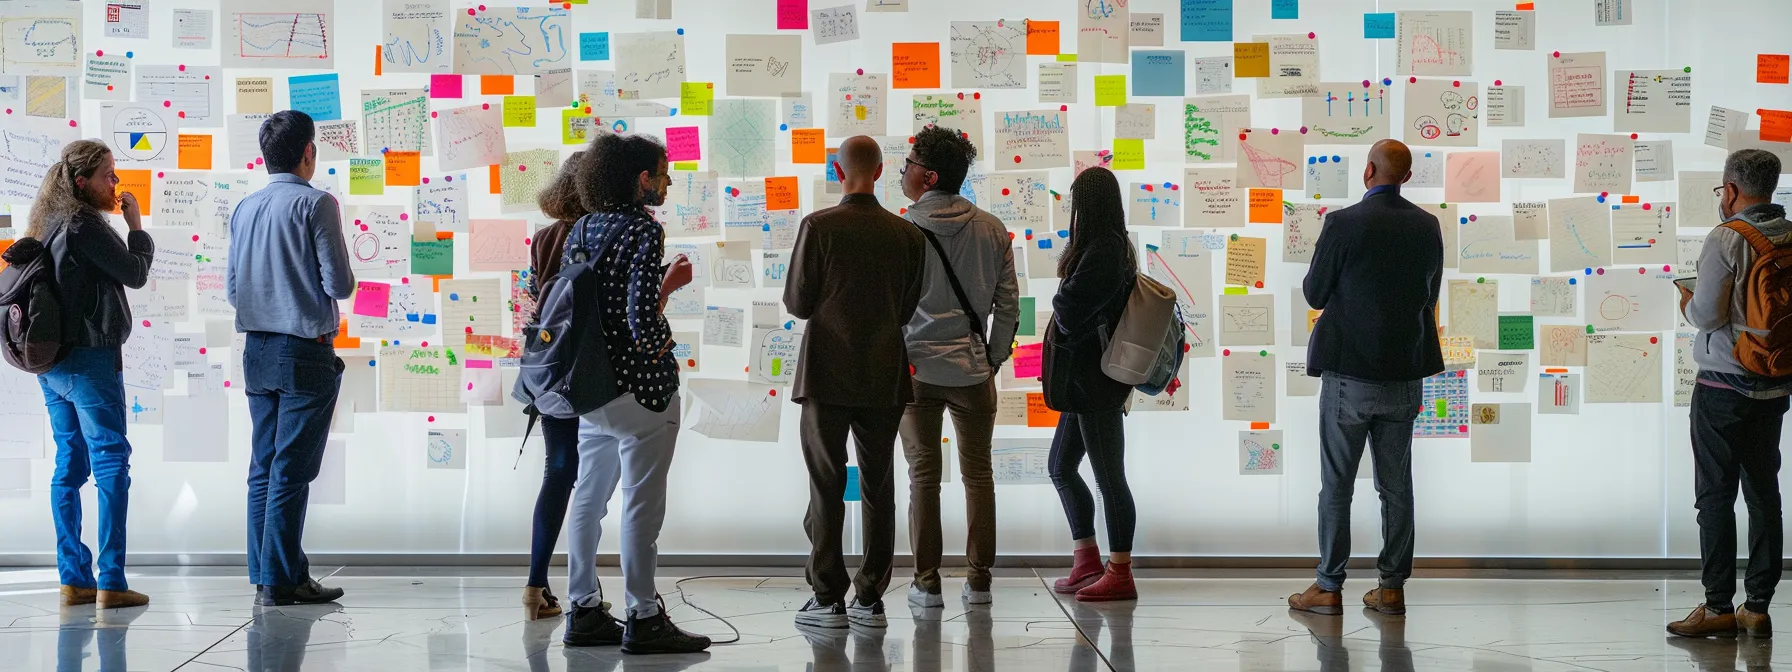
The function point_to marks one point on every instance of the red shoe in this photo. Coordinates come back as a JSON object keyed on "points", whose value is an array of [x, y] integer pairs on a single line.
{"points": [[1115, 586], [1086, 570]]}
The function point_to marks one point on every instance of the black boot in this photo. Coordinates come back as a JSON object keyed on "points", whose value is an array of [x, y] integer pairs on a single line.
{"points": [[309, 592], [592, 626], [657, 634]]}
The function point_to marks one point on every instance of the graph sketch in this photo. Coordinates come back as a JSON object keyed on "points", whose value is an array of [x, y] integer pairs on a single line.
{"points": [[743, 137], [196, 90], [1434, 43], [379, 243], [1260, 453], [41, 38], [291, 34], [1580, 234], [416, 36], [1543, 158], [1157, 204], [989, 54], [735, 410], [1270, 159], [512, 40], [471, 137], [396, 120], [1021, 462], [1624, 368], [1247, 319], [1347, 113], [693, 205], [1186, 266]]}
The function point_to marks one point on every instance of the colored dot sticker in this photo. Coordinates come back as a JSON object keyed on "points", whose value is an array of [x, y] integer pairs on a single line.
{"points": [[1573, 281]]}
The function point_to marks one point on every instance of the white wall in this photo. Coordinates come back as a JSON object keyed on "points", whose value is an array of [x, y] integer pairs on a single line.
{"points": [[1614, 481]]}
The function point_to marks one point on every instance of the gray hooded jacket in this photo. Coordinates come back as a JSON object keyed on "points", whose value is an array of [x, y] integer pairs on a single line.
{"points": [[939, 336], [1719, 302]]}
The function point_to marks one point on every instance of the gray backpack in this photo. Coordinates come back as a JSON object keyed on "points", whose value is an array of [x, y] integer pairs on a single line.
{"points": [[1146, 347]]}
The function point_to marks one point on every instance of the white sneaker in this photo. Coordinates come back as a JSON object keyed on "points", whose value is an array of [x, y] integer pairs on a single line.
{"points": [[976, 596], [817, 615], [923, 599], [867, 615]]}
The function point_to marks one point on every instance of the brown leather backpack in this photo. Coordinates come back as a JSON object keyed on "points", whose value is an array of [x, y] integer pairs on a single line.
{"points": [[1765, 349]]}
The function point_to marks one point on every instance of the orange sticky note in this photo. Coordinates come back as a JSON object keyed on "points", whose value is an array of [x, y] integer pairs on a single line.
{"points": [[1250, 59], [1259, 425], [4, 245], [1773, 68], [1037, 413], [1266, 206], [195, 152], [377, 58], [780, 194], [342, 341], [808, 145], [1632, 199], [136, 182], [915, 65], [1042, 38], [403, 169], [1527, 6], [1776, 125], [497, 180], [503, 85]]}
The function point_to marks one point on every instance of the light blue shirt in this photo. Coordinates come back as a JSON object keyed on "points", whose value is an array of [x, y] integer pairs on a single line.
{"points": [[288, 264]]}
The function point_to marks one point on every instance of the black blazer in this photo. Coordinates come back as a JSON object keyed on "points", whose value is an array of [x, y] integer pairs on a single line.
{"points": [[1086, 309], [1376, 274]]}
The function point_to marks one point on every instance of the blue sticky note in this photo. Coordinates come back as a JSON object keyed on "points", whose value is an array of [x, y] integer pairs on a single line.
{"points": [[1378, 26], [1158, 73], [1206, 20], [852, 485], [317, 95], [594, 46], [1284, 9]]}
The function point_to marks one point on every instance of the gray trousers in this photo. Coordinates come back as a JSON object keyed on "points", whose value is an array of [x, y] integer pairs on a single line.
{"points": [[621, 443], [1351, 412]]}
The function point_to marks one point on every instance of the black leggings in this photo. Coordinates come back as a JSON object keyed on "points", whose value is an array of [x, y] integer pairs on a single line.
{"points": [[1103, 438], [562, 439]]}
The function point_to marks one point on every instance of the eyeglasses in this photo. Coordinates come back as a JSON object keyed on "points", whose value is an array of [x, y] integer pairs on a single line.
{"points": [[911, 162], [1719, 191]]}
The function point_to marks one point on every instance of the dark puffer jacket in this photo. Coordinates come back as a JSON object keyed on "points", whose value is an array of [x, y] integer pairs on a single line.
{"points": [[93, 267]]}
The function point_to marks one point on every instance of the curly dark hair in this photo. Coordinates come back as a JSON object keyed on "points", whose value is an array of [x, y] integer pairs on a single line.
{"points": [[609, 179], [561, 199], [946, 152]]}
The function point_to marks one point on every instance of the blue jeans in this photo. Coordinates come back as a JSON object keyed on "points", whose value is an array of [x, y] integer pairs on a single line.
{"points": [[1352, 411], [291, 384], [562, 471], [85, 398]]}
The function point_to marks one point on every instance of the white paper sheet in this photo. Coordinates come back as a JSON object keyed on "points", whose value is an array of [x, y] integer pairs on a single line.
{"points": [[1248, 386]]}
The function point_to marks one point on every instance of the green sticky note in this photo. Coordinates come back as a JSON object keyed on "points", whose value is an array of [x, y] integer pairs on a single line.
{"points": [[519, 111], [1066, 58], [1516, 332], [684, 165], [432, 257], [1110, 90], [366, 177], [1236, 290], [575, 126], [695, 98], [1029, 324], [1129, 154]]}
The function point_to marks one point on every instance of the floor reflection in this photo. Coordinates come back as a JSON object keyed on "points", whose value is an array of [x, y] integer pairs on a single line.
{"points": [[103, 629], [1727, 654], [280, 636], [1331, 647]]}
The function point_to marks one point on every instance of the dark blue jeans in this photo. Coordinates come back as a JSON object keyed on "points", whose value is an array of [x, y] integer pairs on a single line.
{"points": [[562, 439], [291, 384], [85, 398], [1352, 412], [1736, 446]]}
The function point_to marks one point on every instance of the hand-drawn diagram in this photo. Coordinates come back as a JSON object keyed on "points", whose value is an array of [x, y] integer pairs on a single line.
{"points": [[1260, 453], [834, 24], [28, 148], [291, 34], [1328, 176], [1580, 234], [1443, 113], [649, 65], [856, 104], [445, 448], [41, 38], [1631, 301], [338, 140], [1488, 246], [1624, 368], [1301, 223], [1603, 163], [1186, 266], [1247, 319], [1155, 204], [1686, 371], [1270, 159], [1031, 140], [523, 175], [1443, 407], [1577, 85], [1533, 158], [522, 303], [1208, 125], [471, 137], [736, 410], [1103, 31], [379, 243], [1021, 462], [1248, 386], [48, 97], [742, 141], [775, 356], [1558, 394], [693, 205], [1644, 236], [764, 65], [989, 55], [512, 40], [396, 120], [1293, 66], [442, 202], [1474, 311], [141, 136], [1434, 43], [1472, 177], [415, 37], [195, 90], [960, 113], [1022, 200]]}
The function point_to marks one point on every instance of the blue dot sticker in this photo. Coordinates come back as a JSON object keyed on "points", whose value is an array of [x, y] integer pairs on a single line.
{"points": [[1602, 200], [1337, 159], [454, 297], [1589, 271], [130, 54], [332, 171], [673, 113], [783, 127], [1574, 281], [1312, 160], [371, 362], [1464, 220], [1387, 81], [680, 31]]}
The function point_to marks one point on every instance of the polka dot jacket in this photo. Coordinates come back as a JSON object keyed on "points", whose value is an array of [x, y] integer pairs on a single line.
{"points": [[630, 274]]}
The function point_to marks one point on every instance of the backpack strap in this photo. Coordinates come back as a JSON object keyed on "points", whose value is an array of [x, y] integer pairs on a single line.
{"points": [[964, 302], [534, 416], [1755, 238]]}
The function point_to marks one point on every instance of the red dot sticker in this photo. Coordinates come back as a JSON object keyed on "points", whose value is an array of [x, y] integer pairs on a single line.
{"points": [[1412, 80], [1017, 158], [1653, 340], [485, 106], [1004, 191], [1227, 352], [1259, 284], [1556, 54], [1457, 83], [772, 393], [432, 418]]}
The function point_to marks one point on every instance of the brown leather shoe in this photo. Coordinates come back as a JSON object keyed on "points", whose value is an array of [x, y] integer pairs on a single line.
{"points": [[1318, 601], [1702, 623], [1756, 625], [121, 599], [1390, 601], [74, 597]]}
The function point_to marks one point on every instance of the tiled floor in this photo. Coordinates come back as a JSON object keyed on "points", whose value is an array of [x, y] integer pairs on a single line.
{"points": [[468, 619]]}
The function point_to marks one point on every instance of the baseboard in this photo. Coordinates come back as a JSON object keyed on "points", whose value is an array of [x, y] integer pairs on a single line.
{"points": [[797, 560]]}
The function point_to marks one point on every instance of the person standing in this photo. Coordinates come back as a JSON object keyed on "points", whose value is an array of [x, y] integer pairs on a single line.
{"points": [[560, 436], [956, 353], [1737, 413], [288, 267], [856, 277], [1099, 268], [631, 439], [84, 393], [1376, 273]]}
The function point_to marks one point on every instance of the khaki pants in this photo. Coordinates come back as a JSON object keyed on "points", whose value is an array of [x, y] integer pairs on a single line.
{"points": [[974, 416]]}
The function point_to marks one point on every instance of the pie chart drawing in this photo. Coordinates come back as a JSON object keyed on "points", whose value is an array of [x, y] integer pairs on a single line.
{"points": [[139, 134]]}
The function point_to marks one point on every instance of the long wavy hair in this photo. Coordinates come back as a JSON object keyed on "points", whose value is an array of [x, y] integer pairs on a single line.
{"points": [[59, 195], [561, 199], [1097, 217]]}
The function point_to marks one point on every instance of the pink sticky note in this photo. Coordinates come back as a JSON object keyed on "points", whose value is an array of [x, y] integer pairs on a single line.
{"points": [[479, 363], [682, 144], [793, 14], [1029, 361], [371, 299], [444, 86]]}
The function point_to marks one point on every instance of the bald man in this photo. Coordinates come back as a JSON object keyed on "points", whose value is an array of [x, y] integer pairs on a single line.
{"points": [[1376, 274], [856, 276]]}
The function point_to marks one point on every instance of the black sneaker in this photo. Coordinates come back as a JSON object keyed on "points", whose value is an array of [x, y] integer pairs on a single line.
{"points": [[867, 614], [818, 615], [656, 634], [592, 626], [309, 592]]}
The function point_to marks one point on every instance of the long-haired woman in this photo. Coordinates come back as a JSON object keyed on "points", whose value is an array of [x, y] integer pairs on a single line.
{"points": [[85, 391], [1098, 269]]}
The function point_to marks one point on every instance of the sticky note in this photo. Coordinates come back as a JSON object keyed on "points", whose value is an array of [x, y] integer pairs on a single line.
{"points": [[1250, 59], [366, 177], [1776, 125], [136, 183], [1158, 73], [1110, 90], [683, 144], [1066, 58], [1038, 415], [793, 14], [1029, 361], [372, 299], [1042, 38], [496, 85], [1206, 20], [808, 145], [317, 95], [915, 65], [403, 168], [1029, 317], [433, 257], [574, 125], [1527, 6], [1129, 154], [695, 98], [1284, 9], [781, 194], [594, 46], [1378, 26], [1773, 68], [519, 111], [496, 179], [1265, 206], [195, 152], [685, 165], [444, 86], [1516, 332]]}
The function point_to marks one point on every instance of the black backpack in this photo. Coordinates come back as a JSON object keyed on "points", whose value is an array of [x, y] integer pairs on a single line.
{"points": [[30, 308], [566, 370]]}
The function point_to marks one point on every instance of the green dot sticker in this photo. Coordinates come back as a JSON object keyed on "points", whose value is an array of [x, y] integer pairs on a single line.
{"points": [[1443, 206], [1234, 237], [1262, 353], [1689, 68], [1480, 281], [1275, 446], [1589, 328]]}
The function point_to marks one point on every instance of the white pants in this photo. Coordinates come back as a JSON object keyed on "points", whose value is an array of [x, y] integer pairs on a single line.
{"points": [[624, 443]]}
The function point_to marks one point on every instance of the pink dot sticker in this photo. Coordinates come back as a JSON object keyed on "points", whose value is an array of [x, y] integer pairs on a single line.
{"points": [[426, 180], [426, 344], [432, 418], [1498, 83], [1312, 36], [485, 106], [432, 115], [861, 71], [101, 52], [160, 174], [227, 383], [1275, 131], [195, 238], [146, 324], [1227, 352], [1556, 54], [183, 68], [403, 216], [1647, 206], [1457, 83], [202, 351]]}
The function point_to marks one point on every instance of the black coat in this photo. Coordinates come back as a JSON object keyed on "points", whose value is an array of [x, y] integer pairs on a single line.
{"points": [[93, 267], [1376, 273], [1084, 313]]}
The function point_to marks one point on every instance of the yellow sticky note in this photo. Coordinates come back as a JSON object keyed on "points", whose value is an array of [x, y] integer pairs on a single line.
{"points": [[1129, 154], [1066, 58], [695, 98], [1250, 59], [519, 111], [575, 125], [1110, 90], [1235, 291], [684, 165], [366, 177]]}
